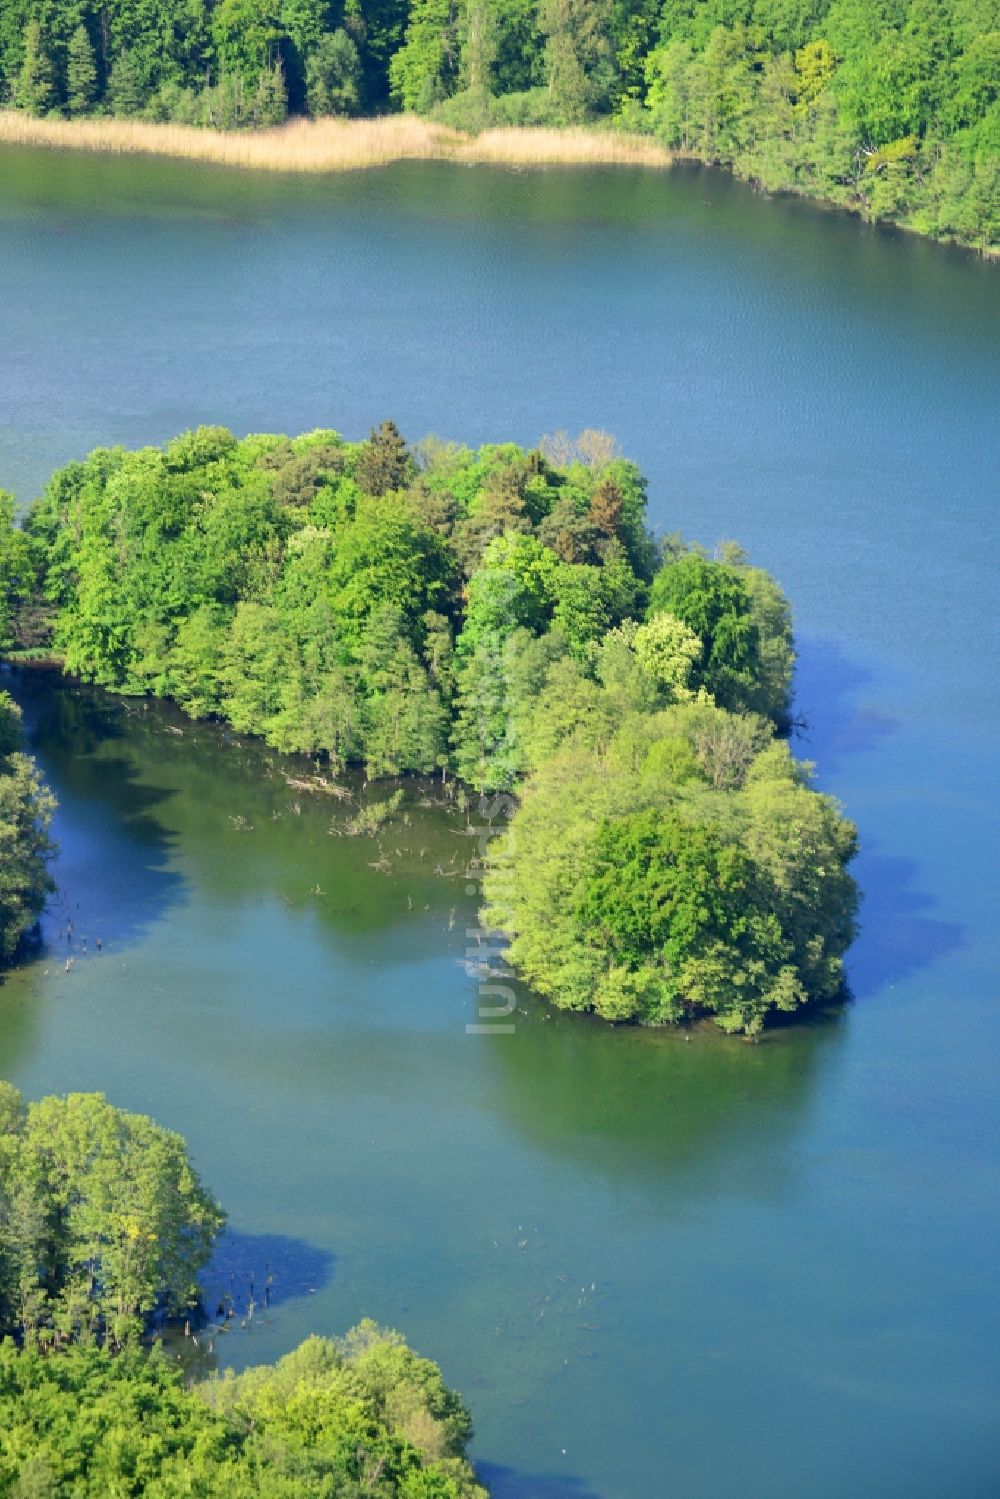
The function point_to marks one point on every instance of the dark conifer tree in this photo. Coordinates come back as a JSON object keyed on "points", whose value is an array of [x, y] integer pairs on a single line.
{"points": [[81, 72], [384, 463]]}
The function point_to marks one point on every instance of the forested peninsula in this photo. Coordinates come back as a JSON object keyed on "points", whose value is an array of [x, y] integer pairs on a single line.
{"points": [[503, 616], [105, 1227], [887, 107]]}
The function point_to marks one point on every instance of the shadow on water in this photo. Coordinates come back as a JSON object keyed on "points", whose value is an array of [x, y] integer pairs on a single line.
{"points": [[828, 686], [268, 1269], [113, 871], [249, 1278], [899, 933], [510, 1483]]}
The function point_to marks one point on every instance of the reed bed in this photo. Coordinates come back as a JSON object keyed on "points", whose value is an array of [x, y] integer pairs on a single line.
{"points": [[332, 145], [538, 146], [299, 146]]}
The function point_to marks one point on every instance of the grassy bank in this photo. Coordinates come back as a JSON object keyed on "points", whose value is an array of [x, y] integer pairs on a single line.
{"points": [[332, 145]]}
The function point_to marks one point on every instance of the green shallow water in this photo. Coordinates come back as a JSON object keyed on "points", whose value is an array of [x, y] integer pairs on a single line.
{"points": [[655, 1267]]}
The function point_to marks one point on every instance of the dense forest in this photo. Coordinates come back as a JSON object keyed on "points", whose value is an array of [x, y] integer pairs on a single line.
{"points": [[505, 616], [889, 107], [26, 805], [104, 1224], [26, 808]]}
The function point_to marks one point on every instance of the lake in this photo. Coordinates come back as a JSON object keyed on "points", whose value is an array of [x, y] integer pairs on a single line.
{"points": [[653, 1266]]}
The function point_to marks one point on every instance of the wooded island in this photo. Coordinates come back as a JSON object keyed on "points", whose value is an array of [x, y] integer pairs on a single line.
{"points": [[502, 615]]}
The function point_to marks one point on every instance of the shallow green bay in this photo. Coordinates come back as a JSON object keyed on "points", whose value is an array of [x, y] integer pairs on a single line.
{"points": [[654, 1266]]}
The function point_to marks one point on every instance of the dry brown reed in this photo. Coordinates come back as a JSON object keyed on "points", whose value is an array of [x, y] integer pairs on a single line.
{"points": [[537, 146], [333, 145]]}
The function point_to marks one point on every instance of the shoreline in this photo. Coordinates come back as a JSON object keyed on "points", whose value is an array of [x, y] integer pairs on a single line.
{"points": [[335, 145], [329, 145]]}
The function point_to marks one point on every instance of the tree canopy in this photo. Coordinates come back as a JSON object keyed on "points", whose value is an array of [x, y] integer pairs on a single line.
{"points": [[673, 863], [348, 599], [356, 1416], [103, 1221], [26, 808]]}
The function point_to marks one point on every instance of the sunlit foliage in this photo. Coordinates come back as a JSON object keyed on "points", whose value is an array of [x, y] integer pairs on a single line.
{"points": [[26, 808], [503, 614]]}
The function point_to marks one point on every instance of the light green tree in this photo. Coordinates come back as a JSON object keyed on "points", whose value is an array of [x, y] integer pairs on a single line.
{"points": [[425, 69], [667, 651], [480, 42], [125, 1224], [246, 34], [34, 91]]}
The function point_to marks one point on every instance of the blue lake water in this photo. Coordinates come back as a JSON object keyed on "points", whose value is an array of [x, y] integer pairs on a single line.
{"points": [[653, 1267]]}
